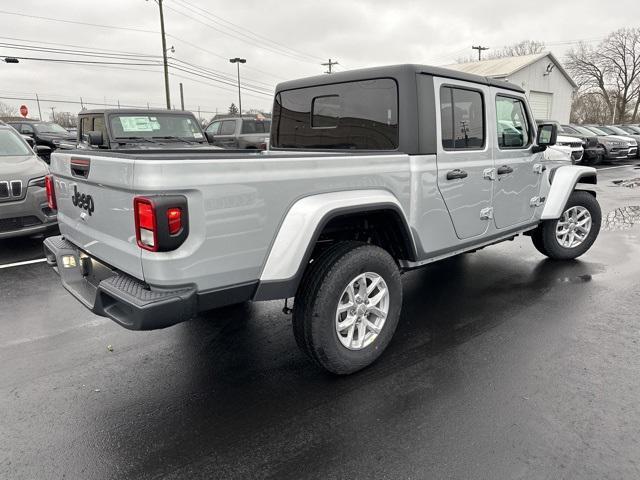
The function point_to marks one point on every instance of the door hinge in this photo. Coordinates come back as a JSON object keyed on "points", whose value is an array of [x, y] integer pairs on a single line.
{"points": [[539, 168], [486, 213], [536, 201], [489, 174]]}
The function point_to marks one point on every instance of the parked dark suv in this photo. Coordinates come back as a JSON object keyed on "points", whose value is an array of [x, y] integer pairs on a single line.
{"points": [[593, 151], [239, 132], [48, 134]]}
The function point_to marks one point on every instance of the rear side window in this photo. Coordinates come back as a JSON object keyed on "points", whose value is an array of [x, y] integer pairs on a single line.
{"points": [[26, 128], [512, 123], [255, 126], [359, 115], [462, 119], [228, 127]]}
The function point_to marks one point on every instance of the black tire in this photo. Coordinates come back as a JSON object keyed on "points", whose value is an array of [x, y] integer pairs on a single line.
{"points": [[544, 237], [314, 312]]}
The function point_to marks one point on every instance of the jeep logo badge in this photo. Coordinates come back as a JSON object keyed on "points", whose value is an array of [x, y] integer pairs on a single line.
{"points": [[82, 200]]}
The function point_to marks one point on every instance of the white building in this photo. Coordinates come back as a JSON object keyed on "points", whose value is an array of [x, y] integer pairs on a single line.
{"points": [[549, 87]]}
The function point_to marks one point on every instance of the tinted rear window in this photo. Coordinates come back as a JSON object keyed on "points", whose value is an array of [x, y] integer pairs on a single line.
{"points": [[255, 126], [353, 115]]}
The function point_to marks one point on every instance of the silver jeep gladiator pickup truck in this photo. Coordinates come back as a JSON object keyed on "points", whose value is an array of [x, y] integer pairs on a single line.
{"points": [[370, 173]]}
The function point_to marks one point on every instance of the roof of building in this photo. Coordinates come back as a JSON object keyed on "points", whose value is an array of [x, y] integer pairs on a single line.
{"points": [[393, 71], [506, 66]]}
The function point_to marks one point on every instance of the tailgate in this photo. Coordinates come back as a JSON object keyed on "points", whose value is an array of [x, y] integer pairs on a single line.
{"points": [[95, 207]]}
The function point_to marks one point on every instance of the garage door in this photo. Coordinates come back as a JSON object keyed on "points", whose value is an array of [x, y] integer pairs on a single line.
{"points": [[541, 105]]}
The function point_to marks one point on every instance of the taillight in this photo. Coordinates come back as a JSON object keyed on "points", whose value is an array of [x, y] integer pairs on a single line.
{"points": [[51, 192], [174, 217], [161, 222], [146, 226]]}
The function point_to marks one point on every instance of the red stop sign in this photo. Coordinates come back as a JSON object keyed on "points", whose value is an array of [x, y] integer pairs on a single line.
{"points": [[24, 111]]}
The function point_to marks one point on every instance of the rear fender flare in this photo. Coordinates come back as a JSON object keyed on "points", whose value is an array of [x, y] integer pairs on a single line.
{"points": [[301, 227]]}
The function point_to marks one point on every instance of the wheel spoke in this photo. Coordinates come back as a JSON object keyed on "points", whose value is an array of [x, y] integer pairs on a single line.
{"points": [[349, 338], [371, 326], [343, 307], [375, 300], [374, 284], [346, 323], [378, 312]]}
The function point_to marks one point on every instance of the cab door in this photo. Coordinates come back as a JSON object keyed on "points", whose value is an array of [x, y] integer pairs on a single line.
{"points": [[464, 155], [517, 179]]}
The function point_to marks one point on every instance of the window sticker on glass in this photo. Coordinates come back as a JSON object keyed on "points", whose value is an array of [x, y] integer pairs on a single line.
{"points": [[197, 135], [138, 124]]}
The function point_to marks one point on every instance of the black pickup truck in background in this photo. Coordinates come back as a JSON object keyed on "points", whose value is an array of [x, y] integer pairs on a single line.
{"points": [[131, 129]]}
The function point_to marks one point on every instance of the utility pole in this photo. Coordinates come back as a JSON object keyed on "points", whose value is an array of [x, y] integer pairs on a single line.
{"points": [[329, 64], [164, 54], [480, 50], [53, 114], [181, 97], [238, 61], [81, 104], [39, 111]]}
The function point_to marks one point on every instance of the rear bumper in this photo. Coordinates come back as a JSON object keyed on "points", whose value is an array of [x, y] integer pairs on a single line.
{"points": [[109, 293], [127, 300]]}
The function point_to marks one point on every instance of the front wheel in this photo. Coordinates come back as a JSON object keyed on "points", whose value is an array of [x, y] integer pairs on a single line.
{"points": [[574, 232], [347, 307]]}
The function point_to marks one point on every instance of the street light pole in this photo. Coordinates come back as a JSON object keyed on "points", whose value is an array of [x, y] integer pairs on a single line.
{"points": [[238, 61]]}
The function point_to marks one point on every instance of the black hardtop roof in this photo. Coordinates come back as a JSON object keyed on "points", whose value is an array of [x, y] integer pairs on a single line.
{"points": [[394, 71], [129, 111]]}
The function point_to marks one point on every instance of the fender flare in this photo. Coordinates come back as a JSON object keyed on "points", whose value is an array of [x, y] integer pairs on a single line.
{"points": [[303, 223], [563, 182]]}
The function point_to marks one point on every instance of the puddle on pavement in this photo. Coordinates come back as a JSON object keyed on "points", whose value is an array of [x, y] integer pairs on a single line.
{"points": [[629, 183], [623, 218], [576, 279]]}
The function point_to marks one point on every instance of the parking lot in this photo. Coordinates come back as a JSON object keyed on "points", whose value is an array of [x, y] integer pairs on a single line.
{"points": [[526, 368]]}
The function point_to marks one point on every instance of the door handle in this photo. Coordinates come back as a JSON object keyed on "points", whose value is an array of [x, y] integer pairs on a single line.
{"points": [[503, 170], [457, 173]]}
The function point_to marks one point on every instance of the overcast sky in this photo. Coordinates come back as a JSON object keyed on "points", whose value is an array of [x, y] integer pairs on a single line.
{"points": [[280, 39]]}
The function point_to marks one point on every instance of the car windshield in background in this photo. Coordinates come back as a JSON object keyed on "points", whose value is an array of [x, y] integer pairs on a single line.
{"points": [[155, 126], [597, 131], [11, 144], [569, 130], [50, 128], [606, 130], [617, 130]]}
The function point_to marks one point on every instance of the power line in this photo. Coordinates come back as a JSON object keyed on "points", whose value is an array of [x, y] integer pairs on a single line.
{"points": [[246, 32], [254, 43]]}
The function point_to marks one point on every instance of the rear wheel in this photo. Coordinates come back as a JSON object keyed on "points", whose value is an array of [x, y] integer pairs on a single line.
{"points": [[347, 307], [574, 232]]}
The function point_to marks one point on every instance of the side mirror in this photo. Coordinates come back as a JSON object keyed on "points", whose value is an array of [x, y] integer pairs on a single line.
{"points": [[547, 134], [93, 138], [43, 152], [209, 137], [29, 140]]}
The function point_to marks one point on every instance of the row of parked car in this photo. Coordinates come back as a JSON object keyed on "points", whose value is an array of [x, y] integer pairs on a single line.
{"points": [[593, 144], [144, 129]]}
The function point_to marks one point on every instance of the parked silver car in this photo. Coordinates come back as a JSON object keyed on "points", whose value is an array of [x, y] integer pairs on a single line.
{"points": [[23, 200]]}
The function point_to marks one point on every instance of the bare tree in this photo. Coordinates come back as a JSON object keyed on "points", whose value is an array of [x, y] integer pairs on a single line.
{"points": [[66, 119], [526, 47], [589, 107], [7, 110], [233, 109], [612, 69]]}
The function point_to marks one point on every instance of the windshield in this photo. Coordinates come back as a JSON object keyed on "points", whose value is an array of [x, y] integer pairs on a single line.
{"points": [[569, 130], [584, 130], [49, 128], [162, 125], [11, 144], [607, 130], [597, 131], [631, 129], [617, 130]]}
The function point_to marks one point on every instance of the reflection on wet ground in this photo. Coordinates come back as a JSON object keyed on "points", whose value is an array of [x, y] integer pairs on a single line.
{"points": [[622, 218], [629, 183]]}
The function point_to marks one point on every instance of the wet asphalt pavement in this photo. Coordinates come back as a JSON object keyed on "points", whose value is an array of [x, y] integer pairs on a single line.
{"points": [[505, 365]]}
